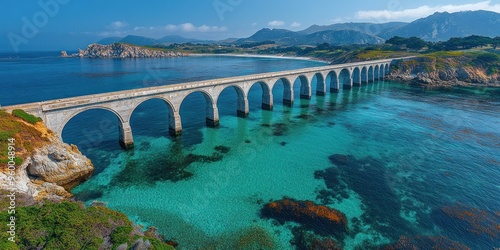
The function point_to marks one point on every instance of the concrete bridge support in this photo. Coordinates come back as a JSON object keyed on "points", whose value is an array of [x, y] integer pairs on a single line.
{"points": [[320, 85], [370, 74], [126, 138], [175, 124], [288, 96], [356, 77], [364, 75], [334, 83], [267, 100], [212, 115], [243, 109]]}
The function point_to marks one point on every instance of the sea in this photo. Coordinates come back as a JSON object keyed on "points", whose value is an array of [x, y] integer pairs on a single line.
{"points": [[408, 166]]}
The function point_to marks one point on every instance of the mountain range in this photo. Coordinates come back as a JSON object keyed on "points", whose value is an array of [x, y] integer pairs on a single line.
{"points": [[439, 26]]}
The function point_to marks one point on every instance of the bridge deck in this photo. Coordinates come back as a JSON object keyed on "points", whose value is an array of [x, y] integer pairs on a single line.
{"points": [[124, 94]]}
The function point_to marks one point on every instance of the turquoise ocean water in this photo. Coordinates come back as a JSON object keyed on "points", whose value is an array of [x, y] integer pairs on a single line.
{"points": [[393, 158]]}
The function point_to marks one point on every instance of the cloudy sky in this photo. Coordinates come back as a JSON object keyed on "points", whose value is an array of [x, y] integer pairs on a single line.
{"points": [[69, 24]]}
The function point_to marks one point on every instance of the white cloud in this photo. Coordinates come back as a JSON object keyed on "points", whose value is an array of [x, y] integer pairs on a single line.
{"points": [[188, 27], [296, 24], [185, 27], [423, 11], [116, 25], [276, 23], [254, 24], [171, 27]]}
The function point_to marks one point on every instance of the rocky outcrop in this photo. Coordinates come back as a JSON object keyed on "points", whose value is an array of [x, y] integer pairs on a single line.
{"points": [[445, 72], [120, 50], [49, 171]]}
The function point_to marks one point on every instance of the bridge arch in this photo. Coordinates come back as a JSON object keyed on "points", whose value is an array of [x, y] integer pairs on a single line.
{"points": [[305, 87], [364, 75], [370, 74], [334, 81], [242, 99], [376, 72], [387, 68], [174, 121], [125, 133], [320, 83], [287, 90], [267, 94], [345, 78], [356, 76], [212, 112]]}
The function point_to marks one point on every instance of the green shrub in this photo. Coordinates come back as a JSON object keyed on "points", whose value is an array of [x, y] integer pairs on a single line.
{"points": [[121, 235], [25, 116]]}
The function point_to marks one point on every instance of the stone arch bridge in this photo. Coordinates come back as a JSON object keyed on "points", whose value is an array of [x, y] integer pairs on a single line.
{"points": [[56, 113]]}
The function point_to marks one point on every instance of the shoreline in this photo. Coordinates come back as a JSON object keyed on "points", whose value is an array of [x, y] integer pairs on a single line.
{"points": [[266, 56]]}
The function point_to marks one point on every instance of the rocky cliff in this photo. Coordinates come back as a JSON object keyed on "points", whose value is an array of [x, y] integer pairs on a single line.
{"points": [[49, 168], [120, 50], [445, 71]]}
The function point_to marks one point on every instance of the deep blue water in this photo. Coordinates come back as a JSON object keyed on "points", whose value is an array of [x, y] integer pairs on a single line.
{"points": [[399, 161]]}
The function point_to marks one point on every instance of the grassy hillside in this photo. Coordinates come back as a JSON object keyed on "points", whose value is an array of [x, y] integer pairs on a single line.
{"points": [[28, 132], [71, 225]]}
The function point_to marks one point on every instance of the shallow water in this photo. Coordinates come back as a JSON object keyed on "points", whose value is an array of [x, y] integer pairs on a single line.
{"points": [[413, 154]]}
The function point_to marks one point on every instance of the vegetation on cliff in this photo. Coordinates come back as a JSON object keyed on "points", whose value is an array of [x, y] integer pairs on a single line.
{"points": [[71, 225], [28, 132]]}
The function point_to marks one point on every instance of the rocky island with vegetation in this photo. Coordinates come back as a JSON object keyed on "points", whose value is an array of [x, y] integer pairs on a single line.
{"points": [[121, 50]]}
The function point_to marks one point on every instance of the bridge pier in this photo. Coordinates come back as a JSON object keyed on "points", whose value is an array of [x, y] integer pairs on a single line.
{"points": [[288, 96], [357, 80], [126, 138], [212, 116], [321, 89], [243, 109], [175, 124], [305, 92], [267, 101], [335, 84]]}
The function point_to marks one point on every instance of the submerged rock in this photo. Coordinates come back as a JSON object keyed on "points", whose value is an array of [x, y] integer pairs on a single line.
{"points": [[304, 240], [321, 219], [470, 223], [369, 178], [279, 129], [424, 243], [222, 149]]}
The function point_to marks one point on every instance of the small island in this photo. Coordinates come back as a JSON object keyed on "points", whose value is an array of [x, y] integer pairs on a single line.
{"points": [[121, 50]]}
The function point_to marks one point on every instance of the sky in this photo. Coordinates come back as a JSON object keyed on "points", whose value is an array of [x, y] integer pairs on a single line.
{"points": [[30, 25]]}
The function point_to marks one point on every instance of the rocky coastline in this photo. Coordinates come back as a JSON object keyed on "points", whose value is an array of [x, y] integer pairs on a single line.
{"points": [[50, 170], [424, 72], [120, 50]]}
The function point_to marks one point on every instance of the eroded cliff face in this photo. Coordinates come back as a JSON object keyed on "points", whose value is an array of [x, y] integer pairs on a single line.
{"points": [[50, 167], [119, 50], [446, 72]]}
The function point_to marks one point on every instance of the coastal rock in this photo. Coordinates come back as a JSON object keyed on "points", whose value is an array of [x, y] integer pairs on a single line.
{"points": [[321, 219], [424, 71], [64, 53], [50, 170], [141, 245], [61, 164], [119, 50]]}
